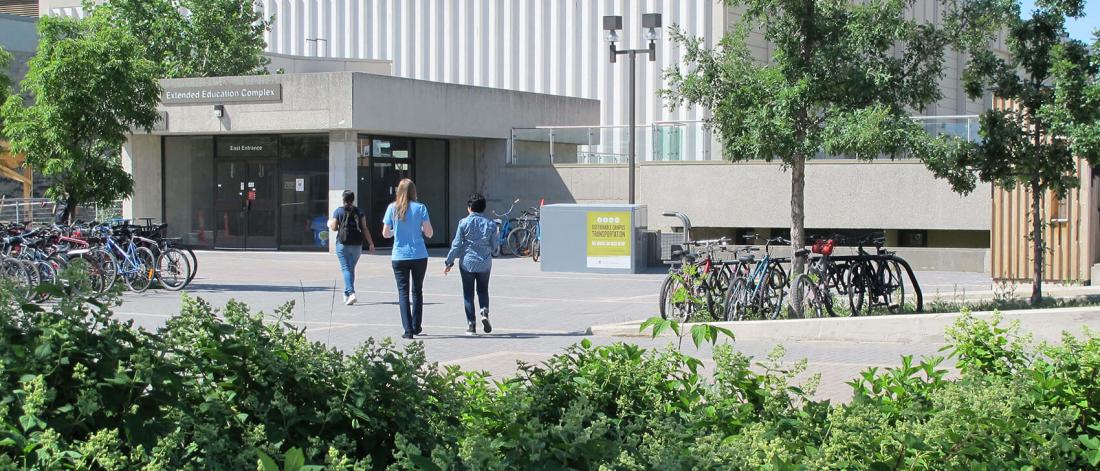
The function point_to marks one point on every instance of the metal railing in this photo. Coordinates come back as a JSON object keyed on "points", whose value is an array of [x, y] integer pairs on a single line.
{"points": [[40, 211], [661, 141]]}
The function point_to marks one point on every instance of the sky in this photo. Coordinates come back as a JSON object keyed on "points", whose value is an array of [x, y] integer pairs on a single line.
{"points": [[1080, 29]]}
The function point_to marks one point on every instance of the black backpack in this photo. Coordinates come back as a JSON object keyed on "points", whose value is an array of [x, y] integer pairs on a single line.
{"points": [[350, 233]]}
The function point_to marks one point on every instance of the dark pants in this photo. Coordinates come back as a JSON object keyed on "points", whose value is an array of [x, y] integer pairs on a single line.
{"points": [[410, 272], [469, 281]]}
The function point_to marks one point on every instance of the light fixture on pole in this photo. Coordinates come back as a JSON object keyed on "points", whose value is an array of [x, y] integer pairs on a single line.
{"points": [[652, 24]]}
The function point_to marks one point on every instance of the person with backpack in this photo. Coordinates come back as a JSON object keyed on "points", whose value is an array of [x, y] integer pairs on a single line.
{"points": [[349, 223]]}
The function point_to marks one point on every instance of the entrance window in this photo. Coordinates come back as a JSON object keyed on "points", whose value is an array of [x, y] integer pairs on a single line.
{"points": [[393, 148], [188, 193], [303, 202]]}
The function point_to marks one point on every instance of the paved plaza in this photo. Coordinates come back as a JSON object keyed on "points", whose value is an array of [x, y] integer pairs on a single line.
{"points": [[534, 314]]}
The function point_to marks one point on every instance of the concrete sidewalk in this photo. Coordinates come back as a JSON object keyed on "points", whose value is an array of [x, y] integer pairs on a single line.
{"points": [[1043, 324]]}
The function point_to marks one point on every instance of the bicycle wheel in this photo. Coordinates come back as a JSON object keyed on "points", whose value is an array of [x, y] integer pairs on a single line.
{"points": [[807, 294], [88, 275], [536, 249], [140, 272], [860, 281], [173, 269], [47, 274], [675, 302], [107, 266], [15, 273], [194, 266], [774, 292], [737, 300], [519, 242], [894, 287]]}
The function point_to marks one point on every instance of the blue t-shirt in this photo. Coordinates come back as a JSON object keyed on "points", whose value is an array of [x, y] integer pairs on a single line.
{"points": [[408, 239]]}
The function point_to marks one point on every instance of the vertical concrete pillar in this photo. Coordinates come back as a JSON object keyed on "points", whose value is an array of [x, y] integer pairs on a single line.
{"points": [[342, 170], [141, 157]]}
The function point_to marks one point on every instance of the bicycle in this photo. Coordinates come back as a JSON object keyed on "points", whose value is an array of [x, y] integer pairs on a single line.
{"points": [[519, 239], [811, 291], [875, 280], [757, 293], [691, 286], [135, 265], [504, 225]]}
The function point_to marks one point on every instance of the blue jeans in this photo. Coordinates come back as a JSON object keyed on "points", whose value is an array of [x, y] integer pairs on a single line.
{"points": [[410, 292], [348, 255], [470, 282]]}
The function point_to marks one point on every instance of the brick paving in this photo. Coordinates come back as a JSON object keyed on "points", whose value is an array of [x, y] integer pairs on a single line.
{"points": [[534, 314]]}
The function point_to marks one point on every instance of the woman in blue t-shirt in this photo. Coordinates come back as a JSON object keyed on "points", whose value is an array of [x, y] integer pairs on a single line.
{"points": [[406, 222]]}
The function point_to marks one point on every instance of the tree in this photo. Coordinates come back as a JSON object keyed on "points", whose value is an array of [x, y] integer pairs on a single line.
{"points": [[195, 38], [1036, 141], [844, 79], [90, 87]]}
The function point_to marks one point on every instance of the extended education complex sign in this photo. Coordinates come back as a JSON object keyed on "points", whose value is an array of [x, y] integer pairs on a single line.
{"points": [[270, 93]]}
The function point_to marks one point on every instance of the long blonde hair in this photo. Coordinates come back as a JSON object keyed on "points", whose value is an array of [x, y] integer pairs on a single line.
{"points": [[406, 193]]}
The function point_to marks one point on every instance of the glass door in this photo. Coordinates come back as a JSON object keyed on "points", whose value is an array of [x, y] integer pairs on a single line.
{"points": [[385, 175], [245, 205]]}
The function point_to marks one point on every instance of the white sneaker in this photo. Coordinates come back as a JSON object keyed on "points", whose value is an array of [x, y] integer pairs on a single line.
{"points": [[345, 299], [350, 299], [485, 325]]}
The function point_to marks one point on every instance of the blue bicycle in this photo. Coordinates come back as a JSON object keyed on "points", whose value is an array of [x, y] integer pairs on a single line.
{"points": [[505, 227], [759, 286], [123, 258]]}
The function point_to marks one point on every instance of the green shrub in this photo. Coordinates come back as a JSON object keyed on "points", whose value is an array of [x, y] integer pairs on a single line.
{"points": [[233, 389]]}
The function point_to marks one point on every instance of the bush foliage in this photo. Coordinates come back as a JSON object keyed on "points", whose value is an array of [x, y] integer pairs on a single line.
{"points": [[230, 389]]}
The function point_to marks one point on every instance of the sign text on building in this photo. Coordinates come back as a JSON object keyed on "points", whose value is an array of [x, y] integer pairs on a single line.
{"points": [[608, 239], [271, 93]]}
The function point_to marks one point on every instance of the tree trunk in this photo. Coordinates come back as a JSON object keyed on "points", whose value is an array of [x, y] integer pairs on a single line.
{"points": [[70, 211], [1037, 239], [798, 220]]}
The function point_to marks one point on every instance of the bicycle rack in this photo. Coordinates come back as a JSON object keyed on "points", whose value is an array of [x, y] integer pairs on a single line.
{"points": [[683, 219]]}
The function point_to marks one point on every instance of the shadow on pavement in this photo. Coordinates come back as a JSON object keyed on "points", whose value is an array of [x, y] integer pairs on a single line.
{"points": [[229, 288], [509, 336]]}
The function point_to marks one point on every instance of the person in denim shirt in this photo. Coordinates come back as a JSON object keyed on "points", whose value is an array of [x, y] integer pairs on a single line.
{"points": [[475, 241]]}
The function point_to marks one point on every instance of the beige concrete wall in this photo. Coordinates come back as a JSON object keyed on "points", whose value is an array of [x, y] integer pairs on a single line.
{"points": [[311, 102], [141, 156], [839, 195], [400, 105]]}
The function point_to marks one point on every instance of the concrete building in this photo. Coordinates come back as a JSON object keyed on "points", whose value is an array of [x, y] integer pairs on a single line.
{"points": [[19, 37], [557, 47], [260, 162]]}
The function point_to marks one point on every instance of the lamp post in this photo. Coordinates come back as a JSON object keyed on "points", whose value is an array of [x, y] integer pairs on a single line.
{"points": [[652, 24]]}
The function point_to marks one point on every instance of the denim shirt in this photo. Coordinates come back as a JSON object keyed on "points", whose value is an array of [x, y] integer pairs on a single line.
{"points": [[475, 241]]}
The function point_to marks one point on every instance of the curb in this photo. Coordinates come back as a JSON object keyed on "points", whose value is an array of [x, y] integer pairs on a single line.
{"points": [[1043, 324]]}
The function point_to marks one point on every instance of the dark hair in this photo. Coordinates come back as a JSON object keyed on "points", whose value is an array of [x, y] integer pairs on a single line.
{"points": [[349, 197], [476, 203]]}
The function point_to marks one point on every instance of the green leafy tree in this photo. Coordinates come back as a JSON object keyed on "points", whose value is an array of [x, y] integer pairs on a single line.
{"points": [[90, 87], [195, 38], [843, 80], [1050, 123]]}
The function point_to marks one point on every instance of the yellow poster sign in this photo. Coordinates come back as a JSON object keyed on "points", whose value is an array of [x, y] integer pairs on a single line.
{"points": [[609, 239]]}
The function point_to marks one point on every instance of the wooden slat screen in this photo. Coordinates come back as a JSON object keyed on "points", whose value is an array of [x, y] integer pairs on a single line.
{"points": [[1068, 256]]}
